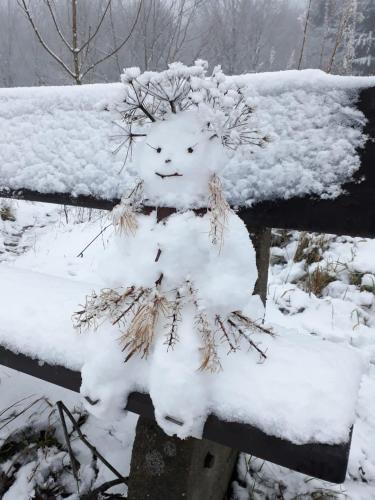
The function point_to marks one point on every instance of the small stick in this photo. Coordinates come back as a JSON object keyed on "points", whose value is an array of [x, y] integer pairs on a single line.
{"points": [[128, 308], [89, 445], [92, 241], [102, 489], [73, 459], [225, 333], [253, 344], [163, 176]]}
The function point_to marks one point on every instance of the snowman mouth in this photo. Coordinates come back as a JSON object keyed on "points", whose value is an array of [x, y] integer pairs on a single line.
{"points": [[163, 176]]}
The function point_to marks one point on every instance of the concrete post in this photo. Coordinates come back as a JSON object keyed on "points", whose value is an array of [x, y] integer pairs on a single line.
{"points": [[168, 468]]}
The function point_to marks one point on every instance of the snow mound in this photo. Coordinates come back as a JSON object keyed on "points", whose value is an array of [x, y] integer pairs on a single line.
{"points": [[267, 395]]}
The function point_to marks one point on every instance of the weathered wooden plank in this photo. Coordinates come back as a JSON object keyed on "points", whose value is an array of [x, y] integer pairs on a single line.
{"points": [[328, 462], [59, 199], [352, 214]]}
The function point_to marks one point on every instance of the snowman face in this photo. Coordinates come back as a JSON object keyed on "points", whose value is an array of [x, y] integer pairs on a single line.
{"points": [[177, 159]]}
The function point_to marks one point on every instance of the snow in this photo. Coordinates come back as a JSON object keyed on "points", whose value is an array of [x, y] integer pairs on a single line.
{"points": [[54, 249], [59, 138], [364, 258], [336, 320], [317, 371], [113, 440], [177, 258]]}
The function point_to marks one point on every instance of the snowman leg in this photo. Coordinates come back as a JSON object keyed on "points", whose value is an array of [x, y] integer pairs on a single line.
{"points": [[168, 468]]}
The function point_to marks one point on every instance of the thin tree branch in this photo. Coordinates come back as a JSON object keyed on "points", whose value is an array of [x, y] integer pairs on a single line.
{"points": [[48, 3], [119, 47], [96, 30], [25, 8]]}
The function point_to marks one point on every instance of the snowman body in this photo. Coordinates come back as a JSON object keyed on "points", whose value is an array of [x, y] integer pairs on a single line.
{"points": [[175, 257], [175, 163]]}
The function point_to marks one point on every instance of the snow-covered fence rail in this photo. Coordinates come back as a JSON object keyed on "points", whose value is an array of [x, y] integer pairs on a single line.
{"points": [[62, 159], [324, 461], [351, 213]]}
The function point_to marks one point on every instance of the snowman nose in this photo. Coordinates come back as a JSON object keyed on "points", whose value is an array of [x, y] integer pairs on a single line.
{"points": [[168, 160]]}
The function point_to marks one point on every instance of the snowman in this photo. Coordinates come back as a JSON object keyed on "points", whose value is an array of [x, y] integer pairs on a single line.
{"points": [[181, 269]]}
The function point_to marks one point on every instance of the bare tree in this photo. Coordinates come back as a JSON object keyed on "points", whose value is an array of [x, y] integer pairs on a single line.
{"points": [[78, 51], [347, 17], [304, 35], [165, 31]]}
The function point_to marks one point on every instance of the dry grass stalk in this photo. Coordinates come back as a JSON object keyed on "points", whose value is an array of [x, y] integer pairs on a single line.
{"points": [[124, 219], [137, 310], [310, 248], [107, 303], [227, 335], [174, 319], [139, 336], [241, 326], [124, 215], [318, 280], [219, 210], [303, 243], [210, 358]]}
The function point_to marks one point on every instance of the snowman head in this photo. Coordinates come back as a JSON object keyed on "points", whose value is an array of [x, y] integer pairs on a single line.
{"points": [[177, 159]]}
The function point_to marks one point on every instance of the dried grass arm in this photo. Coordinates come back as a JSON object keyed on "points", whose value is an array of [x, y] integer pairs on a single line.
{"points": [[219, 210]]}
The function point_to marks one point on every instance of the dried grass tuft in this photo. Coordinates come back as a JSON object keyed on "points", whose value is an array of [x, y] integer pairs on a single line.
{"points": [[219, 210], [318, 280], [139, 336], [136, 311], [124, 215]]}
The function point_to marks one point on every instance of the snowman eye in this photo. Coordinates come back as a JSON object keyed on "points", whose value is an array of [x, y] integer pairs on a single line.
{"points": [[158, 149], [190, 150]]}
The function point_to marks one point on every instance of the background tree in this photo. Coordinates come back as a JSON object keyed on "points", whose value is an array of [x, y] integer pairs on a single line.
{"points": [[364, 57], [78, 47]]}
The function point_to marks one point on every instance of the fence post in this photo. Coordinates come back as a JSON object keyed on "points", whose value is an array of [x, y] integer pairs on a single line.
{"points": [[261, 238], [164, 467]]}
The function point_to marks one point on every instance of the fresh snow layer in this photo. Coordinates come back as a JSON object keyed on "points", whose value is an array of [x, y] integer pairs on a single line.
{"points": [[62, 139], [305, 391]]}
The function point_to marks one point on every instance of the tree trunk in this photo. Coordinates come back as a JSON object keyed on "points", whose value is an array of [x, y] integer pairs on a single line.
{"points": [[77, 75]]}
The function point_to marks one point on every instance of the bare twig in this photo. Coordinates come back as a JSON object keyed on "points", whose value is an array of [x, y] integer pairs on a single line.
{"points": [[119, 47], [74, 462], [92, 448], [94, 239], [96, 493], [25, 8], [59, 32]]}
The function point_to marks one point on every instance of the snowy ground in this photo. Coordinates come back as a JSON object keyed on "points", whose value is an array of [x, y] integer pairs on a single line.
{"points": [[323, 286]]}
